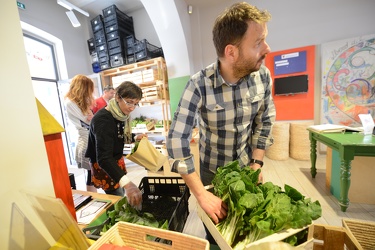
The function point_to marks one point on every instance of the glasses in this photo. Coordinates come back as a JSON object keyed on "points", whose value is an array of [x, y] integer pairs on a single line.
{"points": [[131, 105]]}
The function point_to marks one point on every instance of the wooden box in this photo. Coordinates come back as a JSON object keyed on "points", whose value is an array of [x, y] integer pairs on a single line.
{"points": [[278, 237], [150, 75], [362, 231], [333, 238], [143, 238]]}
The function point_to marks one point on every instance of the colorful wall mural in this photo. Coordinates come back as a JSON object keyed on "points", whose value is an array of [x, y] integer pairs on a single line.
{"points": [[348, 80]]}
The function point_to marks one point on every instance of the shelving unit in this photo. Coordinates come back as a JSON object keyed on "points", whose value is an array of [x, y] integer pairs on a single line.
{"points": [[151, 75]]}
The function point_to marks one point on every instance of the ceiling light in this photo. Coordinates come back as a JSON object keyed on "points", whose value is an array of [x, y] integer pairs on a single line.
{"points": [[73, 19], [71, 7], [190, 9]]}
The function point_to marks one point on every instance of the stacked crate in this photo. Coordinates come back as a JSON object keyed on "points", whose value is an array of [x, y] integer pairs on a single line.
{"points": [[100, 42], [140, 50], [117, 27]]}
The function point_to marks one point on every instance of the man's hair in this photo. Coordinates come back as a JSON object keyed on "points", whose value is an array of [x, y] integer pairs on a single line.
{"points": [[232, 24], [108, 87]]}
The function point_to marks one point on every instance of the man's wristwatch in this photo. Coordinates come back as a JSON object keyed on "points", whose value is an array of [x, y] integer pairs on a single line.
{"points": [[257, 162]]}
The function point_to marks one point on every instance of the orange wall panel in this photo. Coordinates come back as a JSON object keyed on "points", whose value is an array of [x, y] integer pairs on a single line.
{"points": [[298, 106]]}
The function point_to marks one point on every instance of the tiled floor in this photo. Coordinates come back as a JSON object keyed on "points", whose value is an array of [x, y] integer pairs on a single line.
{"points": [[293, 172]]}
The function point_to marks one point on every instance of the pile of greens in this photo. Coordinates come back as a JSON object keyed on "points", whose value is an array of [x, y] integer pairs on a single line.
{"points": [[258, 210], [123, 211], [138, 120]]}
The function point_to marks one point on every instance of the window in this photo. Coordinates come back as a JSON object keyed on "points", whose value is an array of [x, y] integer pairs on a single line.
{"points": [[43, 71]]}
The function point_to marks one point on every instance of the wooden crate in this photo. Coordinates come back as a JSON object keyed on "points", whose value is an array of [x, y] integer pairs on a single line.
{"points": [[150, 75], [138, 237], [277, 237], [151, 93], [333, 238], [362, 231]]}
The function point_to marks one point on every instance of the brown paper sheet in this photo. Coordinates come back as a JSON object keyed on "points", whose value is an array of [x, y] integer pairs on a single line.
{"points": [[147, 156]]}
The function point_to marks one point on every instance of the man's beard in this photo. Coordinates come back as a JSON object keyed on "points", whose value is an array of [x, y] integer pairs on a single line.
{"points": [[245, 67]]}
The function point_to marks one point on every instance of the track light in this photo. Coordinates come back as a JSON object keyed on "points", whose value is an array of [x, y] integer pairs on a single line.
{"points": [[71, 7], [190, 9], [73, 19]]}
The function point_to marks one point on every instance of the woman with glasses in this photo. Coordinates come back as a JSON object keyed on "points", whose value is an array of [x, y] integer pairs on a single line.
{"points": [[110, 129]]}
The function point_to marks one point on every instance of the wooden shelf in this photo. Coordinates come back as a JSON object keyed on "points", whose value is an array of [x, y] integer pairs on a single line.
{"points": [[151, 75]]}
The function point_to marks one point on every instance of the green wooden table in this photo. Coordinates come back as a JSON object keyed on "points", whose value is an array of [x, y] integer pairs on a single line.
{"points": [[348, 145]]}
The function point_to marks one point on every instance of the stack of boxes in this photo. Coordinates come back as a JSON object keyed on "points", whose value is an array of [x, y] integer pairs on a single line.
{"points": [[118, 26], [114, 41], [100, 42]]}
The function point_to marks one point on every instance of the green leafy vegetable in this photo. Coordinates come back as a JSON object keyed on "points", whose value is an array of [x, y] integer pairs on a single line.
{"points": [[256, 211], [135, 147], [124, 212]]}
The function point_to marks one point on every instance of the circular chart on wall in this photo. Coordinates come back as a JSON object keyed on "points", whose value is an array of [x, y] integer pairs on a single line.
{"points": [[348, 81]]}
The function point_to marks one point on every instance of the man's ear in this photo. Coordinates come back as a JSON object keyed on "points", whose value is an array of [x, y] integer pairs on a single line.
{"points": [[231, 52]]}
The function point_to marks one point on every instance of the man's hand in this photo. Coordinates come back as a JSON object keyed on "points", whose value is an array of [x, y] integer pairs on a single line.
{"points": [[256, 167], [214, 207]]}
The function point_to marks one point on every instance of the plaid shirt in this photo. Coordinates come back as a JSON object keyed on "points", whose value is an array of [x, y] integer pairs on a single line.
{"points": [[232, 119]]}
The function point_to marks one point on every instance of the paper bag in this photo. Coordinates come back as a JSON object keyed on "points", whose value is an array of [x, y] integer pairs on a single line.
{"points": [[147, 156]]}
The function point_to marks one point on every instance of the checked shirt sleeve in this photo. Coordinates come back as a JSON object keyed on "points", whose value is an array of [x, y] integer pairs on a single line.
{"points": [[262, 137], [180, 132]]}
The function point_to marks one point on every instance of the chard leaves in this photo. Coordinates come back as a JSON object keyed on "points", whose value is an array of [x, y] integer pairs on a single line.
{"points": [[256, 211]]}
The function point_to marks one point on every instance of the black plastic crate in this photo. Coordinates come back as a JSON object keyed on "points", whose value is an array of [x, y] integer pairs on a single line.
{"points": [[104, 59], [116, 60], [103, 53], [116, 50], [120, 28], [91, 45], [130, 59], [115, 34], [130, 40], [99, 33], [144, 50], [102, 47], [99, 40], [113, 10], [122, 23], [114, 43], [154, 188], [171, 192], [130, 50], [97, 23], [105, 65]]}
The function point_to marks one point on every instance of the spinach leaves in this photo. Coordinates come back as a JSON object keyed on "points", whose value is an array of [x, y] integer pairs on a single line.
{"points": [[124, 212]]}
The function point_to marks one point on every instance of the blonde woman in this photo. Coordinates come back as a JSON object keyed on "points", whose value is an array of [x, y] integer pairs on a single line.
{"points": [[78, 102]]}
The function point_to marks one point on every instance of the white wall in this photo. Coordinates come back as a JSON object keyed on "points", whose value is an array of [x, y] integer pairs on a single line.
{"points": [[50, 17], [24, 163], [295, 23]]}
